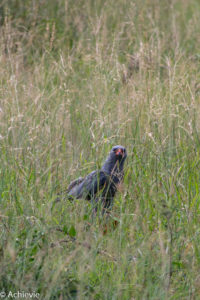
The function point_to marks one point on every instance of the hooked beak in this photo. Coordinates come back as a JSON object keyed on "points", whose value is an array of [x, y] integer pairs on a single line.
{"points": [[119, 152]]}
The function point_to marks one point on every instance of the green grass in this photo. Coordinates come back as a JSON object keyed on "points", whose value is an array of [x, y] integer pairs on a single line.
{"points": [[76, 78]]}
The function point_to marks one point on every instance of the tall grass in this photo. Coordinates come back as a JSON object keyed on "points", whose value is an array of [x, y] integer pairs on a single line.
{"points": [[76, 78]]}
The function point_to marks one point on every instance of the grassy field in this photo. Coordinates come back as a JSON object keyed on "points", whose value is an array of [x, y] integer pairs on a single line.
{"points": [[76, 78]]}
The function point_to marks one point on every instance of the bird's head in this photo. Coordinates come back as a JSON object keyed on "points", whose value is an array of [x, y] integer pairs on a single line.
{"points": [[115, 159], [118, 152]]}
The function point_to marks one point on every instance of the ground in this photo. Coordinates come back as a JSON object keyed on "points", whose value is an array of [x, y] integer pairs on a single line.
{"points": [[76, 78]]}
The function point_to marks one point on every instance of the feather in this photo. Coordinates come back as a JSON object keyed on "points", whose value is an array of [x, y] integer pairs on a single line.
{"points": [[101, 185]]}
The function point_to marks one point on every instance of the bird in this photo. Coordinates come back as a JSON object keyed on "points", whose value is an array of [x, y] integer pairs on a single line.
{"points": [[100, 186]]}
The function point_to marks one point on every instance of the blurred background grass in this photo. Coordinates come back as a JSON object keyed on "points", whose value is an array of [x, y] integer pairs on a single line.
{"points": [[76, 78]]}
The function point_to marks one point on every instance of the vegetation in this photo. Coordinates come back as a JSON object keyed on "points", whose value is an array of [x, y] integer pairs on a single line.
{"points": [[76, 78]]}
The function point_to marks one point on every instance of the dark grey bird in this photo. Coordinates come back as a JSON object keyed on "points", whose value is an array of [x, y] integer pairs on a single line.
{"points": [[100, 186]]}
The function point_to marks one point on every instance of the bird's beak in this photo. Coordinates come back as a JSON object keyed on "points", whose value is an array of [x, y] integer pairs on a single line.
{"points": [[119, 152]]}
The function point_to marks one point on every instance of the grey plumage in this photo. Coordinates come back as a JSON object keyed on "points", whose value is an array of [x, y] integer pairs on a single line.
{"points": [[101, 184]]}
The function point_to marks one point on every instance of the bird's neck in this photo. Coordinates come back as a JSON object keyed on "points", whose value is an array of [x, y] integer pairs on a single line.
{"points": [[112, 166]]}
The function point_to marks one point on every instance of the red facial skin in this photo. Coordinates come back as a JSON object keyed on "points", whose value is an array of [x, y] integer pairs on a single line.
{"points": [[119, 152]]}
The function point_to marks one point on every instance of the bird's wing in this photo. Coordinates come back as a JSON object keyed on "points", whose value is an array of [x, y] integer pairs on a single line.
{"points": [[74, 183], [90, 186]]}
